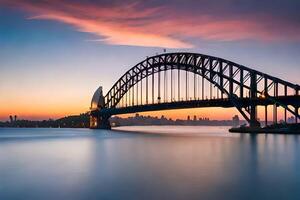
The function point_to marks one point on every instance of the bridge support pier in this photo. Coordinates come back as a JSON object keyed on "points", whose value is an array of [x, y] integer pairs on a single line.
{"points": [[103, 123], [253, 117], [297, 114], [253, 108], [100, 122]]}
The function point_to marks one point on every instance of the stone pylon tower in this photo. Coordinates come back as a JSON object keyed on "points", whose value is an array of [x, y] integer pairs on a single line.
{"points": [[98, 121]]}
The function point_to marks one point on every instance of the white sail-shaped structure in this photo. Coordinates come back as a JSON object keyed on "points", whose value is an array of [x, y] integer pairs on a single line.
{"points": [[97, 100]]}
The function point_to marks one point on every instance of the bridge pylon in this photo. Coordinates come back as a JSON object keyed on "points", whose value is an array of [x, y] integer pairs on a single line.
{"points": [[253, 117], [98, 120], [253, 123]]}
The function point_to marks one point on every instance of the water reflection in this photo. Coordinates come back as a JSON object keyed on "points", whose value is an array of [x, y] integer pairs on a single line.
{"points": [[187, 164]]}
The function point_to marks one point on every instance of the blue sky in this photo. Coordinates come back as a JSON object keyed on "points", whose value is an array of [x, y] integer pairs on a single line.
{"points": [[50, 66]]}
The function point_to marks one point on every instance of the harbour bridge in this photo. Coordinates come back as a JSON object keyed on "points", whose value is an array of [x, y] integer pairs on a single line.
{"points": [[191, 80]]}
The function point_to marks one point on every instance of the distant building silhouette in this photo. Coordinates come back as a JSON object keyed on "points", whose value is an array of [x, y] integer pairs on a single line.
{"points": [[291, 120], [82, 121], [11, 119], [235, 121], [195, 118]]}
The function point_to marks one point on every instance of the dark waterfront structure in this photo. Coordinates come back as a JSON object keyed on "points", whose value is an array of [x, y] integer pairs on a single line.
{"points": [[140, 120], [190, 80]]}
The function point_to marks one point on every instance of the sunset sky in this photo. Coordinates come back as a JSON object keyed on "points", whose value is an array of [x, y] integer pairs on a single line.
{"points": [[54, 54]]}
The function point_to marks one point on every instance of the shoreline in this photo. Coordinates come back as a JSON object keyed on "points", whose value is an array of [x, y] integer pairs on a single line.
{"points": [[287, 129]]}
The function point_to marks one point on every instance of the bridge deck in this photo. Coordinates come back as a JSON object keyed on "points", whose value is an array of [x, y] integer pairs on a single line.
{"points": [[224, 103]]}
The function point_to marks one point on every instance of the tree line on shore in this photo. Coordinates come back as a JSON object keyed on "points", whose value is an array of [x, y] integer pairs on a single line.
{"points": [[75, 121]]}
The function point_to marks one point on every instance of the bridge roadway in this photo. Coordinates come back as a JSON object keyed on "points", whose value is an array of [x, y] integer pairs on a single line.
{"points": [[225, 103], [162, 74]]}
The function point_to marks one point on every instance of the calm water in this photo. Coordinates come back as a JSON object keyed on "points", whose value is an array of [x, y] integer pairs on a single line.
{"points": [[161, 163]]}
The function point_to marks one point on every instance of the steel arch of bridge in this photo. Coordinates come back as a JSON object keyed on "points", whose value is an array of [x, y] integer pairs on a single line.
{"points": [[227, 76]]}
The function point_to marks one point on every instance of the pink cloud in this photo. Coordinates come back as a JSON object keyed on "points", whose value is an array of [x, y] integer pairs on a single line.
{"points": [[135, 25]]}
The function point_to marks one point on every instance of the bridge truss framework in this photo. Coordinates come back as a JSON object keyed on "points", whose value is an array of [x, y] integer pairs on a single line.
{"points": [[188, 80]]}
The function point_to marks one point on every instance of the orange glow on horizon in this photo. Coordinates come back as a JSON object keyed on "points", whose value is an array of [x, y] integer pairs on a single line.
{"points": [[56, 112], [49, 112], [211, 113]]}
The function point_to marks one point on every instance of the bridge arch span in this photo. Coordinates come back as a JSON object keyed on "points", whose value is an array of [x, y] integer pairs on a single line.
{"points": [[237, 83]]}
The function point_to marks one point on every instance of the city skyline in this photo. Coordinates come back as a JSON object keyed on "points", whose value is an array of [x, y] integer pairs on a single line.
{"points": [[55, 54]]}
